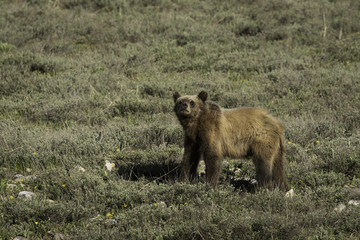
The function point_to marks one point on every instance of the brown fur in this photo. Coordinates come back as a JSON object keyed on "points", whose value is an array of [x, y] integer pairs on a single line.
{"points": [[216, 133]]}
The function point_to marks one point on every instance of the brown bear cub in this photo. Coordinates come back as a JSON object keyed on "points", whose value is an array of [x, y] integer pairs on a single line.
{"points": [[216, 133]]}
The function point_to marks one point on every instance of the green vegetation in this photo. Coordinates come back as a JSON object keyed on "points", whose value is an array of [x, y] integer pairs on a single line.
{"points": [[84, 83]]}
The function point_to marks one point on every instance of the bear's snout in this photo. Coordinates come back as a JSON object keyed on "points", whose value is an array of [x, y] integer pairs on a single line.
{"points": [[183, 106]]}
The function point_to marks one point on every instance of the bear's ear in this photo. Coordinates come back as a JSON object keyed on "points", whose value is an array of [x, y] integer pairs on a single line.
{"points": [[203, 95], [176, 95]]}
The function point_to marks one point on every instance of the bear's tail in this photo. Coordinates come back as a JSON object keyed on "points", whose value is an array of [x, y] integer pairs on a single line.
{"points": [[279, 177]]}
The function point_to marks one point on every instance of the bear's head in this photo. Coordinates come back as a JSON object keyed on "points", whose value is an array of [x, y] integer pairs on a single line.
{"points": [[189, 106]]}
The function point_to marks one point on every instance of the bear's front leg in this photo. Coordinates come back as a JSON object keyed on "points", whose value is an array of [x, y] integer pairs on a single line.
{"points": [[212, 167], [190, 160]]}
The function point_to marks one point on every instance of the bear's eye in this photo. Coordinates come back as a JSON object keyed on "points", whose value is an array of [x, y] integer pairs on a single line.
{"points": [[192, 103]]}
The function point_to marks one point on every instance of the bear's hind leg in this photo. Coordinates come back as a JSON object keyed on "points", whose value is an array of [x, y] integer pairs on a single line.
{"points": [[279, 177], [264, 154], [263, 170]]}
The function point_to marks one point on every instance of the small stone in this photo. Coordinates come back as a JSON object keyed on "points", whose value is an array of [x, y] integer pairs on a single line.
{"points": [[19, 177], [97, 218], [339, 208], [353, 191], [26, 194], [11, 186], [56, 236], [110, 222], [162, 204], [31, 177], [109, 166], [20, 238], [253, 181], [59, 236], [290, 193], [354, 202], [80, 169]]}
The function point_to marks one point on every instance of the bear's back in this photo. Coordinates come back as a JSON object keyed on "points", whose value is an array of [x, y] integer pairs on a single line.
{"points": [[250, 121]]}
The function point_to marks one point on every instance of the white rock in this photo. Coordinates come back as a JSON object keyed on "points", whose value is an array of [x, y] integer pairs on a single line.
{"points": [[354, 202], [162, 204], [290, 193], [59, 236], [109, 166], [80, 169], [31, 177], [11, 186], [253, 181], [353, 191], [26, 194], [20, 238], [201, 168], [339, 208], [97, 218], [110, 222], [19, 177]]}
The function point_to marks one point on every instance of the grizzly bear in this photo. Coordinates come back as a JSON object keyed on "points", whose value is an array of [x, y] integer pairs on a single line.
{"points": [[215, 133]]}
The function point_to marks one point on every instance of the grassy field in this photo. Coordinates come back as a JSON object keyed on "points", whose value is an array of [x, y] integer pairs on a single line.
{"points": [[86, 86]]}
